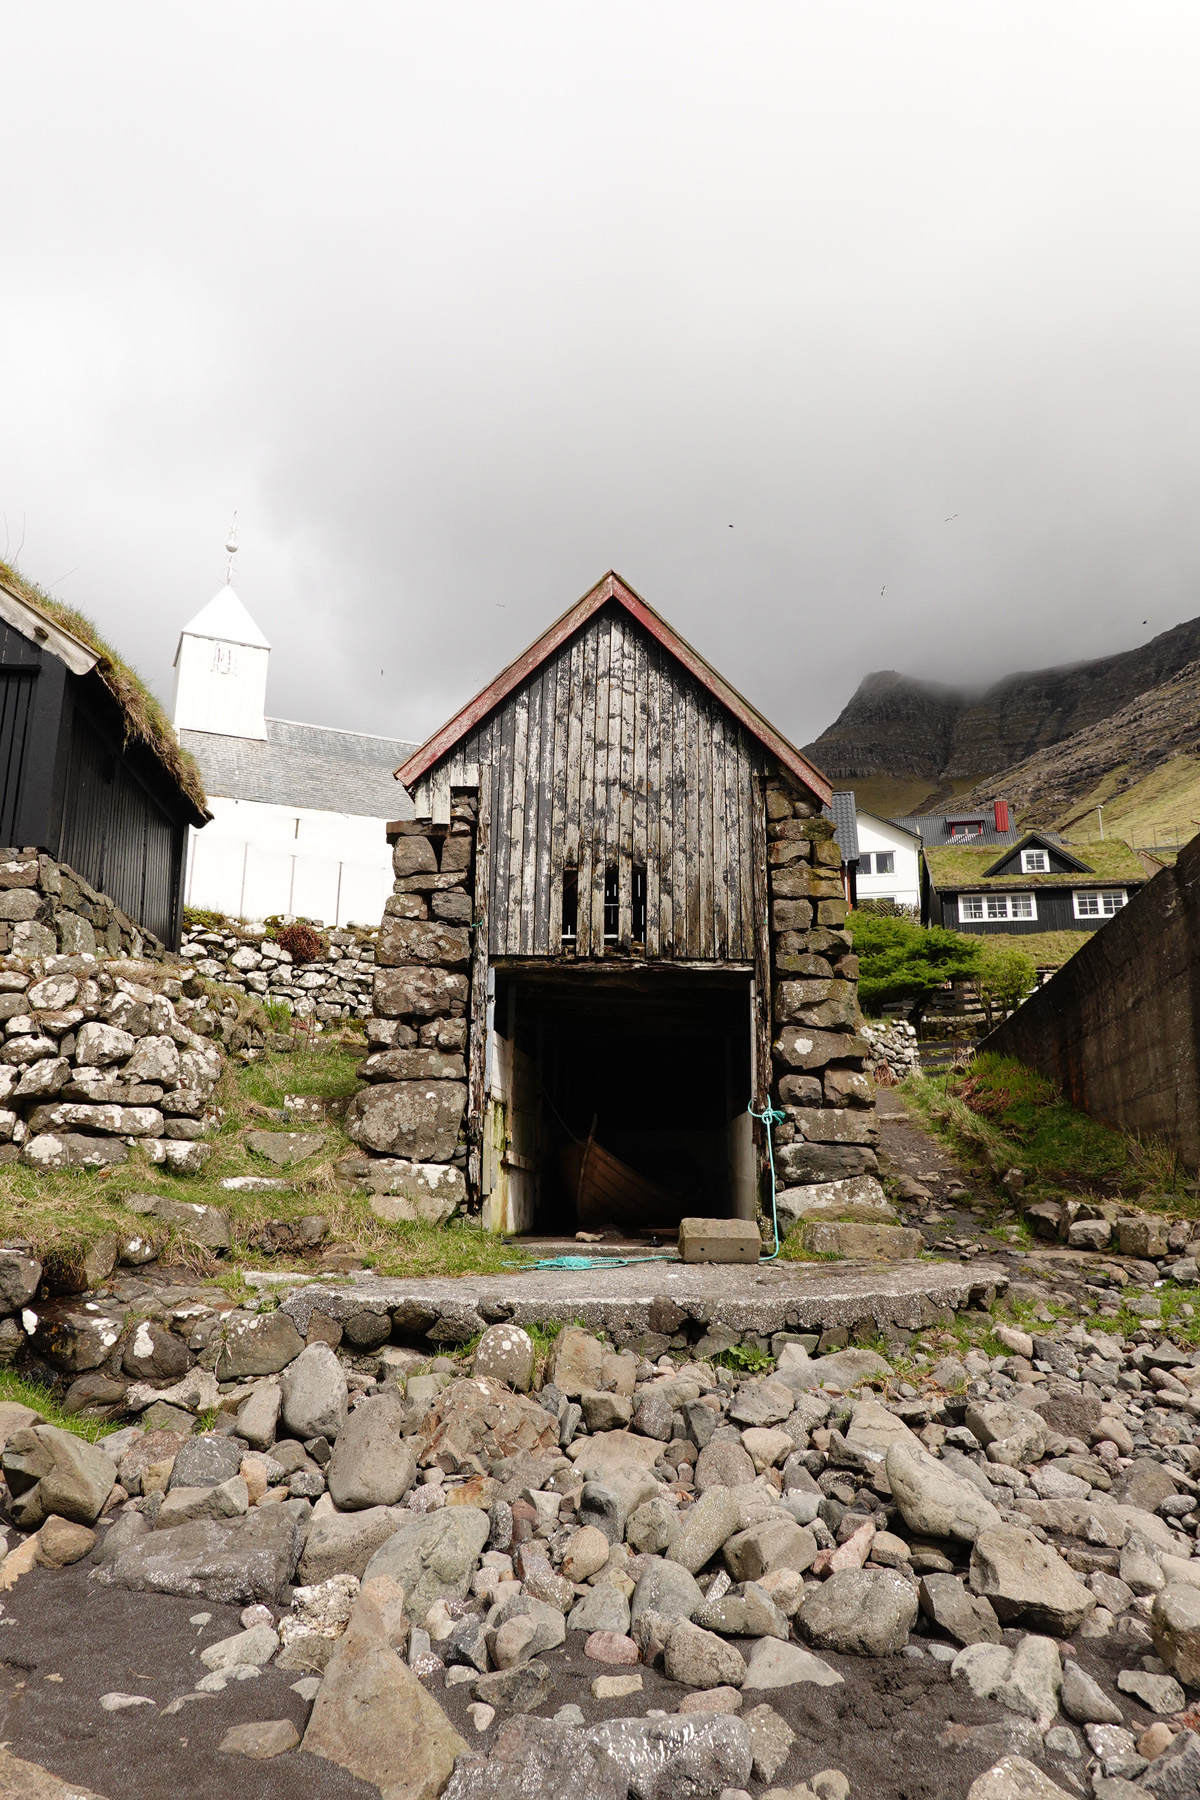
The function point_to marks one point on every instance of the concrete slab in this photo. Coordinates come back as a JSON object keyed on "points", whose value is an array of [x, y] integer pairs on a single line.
{"points": [[647, 1296]]}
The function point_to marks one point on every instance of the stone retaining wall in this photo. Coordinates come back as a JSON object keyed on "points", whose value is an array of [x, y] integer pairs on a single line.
{"points": [[247, 958], [47, 908]]}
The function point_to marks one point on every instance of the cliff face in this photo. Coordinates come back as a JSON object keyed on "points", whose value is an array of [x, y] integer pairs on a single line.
{"points": [[895, 725]]}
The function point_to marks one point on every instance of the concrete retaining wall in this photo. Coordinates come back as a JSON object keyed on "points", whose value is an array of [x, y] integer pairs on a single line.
{"points": [[1117, 1026]]}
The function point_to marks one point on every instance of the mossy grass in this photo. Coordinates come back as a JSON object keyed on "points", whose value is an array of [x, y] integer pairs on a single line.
{"points": [[30, 1393], [1000, 1115], [60, 1213]]}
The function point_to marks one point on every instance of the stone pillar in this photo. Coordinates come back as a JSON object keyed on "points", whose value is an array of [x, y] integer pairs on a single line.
{"points": [[826, 1165], [410, 1118]]}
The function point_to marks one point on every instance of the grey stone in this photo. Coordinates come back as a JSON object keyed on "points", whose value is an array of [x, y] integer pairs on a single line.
{"points": [[414, 1193], [255, 1646], [1034, 1677], [372, 1464], [418, 1120], [603, 1608], [774, 1665], [155, 1355], [1158, 1693], [667, 1589], [71, 1337], [207, 1226], [983, 1668], [52, 1472], [434, 1557], [747, 1612], [679, 1757], [699, 1658], [19, 1278], [1009, 1434], [961, 1615], [1027, 1580], [205, 1461], [843, 1369], [225, 1500], [260, 1740], [541, 1759], [258, 1416], [865, 1612], [283, 1147], [705, 1529], [1175, 1629], [1084, 1700], [314, 1394], [933, 1500], [776, 1544], [231, 1562], [505, 1353], [515, 1690], [344, 1543], [723, 1464], [1015, 1778], [771, 1739], [654, 1416]]}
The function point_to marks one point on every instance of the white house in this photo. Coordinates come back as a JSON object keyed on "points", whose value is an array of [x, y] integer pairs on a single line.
{"points": [[299, 811], [889, 861]]}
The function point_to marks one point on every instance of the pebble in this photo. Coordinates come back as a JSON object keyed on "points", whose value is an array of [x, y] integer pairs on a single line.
{"points": [[616, 1687], [118, 1702]]}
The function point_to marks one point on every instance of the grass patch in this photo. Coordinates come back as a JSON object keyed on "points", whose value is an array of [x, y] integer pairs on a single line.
{"points": [[15, 1388], [61, 1213], [745, 1359], [1002, 1115]]}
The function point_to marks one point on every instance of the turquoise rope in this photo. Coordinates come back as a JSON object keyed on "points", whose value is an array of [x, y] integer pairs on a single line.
{"points": [[769, 1116]]}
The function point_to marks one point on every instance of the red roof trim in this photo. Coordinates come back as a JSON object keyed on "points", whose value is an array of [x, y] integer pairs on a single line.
{"points": [[612, 588]]}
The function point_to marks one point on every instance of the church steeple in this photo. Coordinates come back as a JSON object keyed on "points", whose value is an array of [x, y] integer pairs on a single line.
{"points": [[221, 667]]}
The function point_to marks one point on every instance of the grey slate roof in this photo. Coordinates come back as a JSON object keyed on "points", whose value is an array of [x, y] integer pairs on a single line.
{"points": [[933, 829], [844, 813], [305, 765]]}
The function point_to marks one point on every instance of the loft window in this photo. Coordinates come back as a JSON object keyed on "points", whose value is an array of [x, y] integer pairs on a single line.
{"points": [[1091, 904], [965, 828], [1034, 862], [612, 906], [570, 906], [881, 862]]}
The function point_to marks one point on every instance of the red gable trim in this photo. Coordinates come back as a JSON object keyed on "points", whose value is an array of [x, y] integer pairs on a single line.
{"points": [[611, 588]]}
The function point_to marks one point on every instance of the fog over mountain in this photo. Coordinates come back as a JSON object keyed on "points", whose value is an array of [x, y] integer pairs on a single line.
{"points": [[854, 337]]}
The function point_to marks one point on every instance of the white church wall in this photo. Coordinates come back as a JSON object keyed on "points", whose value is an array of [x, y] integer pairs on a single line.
{"points": [[255, 860]]}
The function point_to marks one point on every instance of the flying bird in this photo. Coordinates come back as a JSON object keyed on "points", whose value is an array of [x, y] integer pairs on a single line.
{"points": [[882, 591], [947, 521]]}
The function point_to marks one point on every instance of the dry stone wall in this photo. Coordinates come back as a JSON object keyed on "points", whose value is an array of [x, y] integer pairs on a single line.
{"points": [[247, 958], [410, 1119], [103, 1046], [48, 909], [827, 1167]]}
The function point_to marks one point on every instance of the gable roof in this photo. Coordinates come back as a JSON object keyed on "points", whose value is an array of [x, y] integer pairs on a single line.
{"points": [[954, 868], [842, 811], [1049, 844], [612, 588], [310, 766], [226, 619]]}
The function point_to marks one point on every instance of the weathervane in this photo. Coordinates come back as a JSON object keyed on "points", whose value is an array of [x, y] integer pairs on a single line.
{"points": [[231, 545]]}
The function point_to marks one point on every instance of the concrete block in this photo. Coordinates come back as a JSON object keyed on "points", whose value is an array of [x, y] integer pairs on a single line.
{"points": [[869, 1243], [719, 1241]]}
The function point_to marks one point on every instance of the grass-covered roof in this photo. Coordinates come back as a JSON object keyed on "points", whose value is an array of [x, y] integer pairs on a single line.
{"points": [[955, 866], [145, 720]]}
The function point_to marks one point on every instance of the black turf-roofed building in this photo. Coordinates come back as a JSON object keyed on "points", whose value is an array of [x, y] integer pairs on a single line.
{"points": [[76, 781]]}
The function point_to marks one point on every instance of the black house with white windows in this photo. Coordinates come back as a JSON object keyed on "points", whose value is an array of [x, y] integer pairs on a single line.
{"points": [[1036, 883]]}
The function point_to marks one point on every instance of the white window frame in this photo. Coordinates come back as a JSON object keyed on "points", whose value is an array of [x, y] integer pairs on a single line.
{"points": [[996, 909], [1109, 902], [1039, 867], [891, 856]]}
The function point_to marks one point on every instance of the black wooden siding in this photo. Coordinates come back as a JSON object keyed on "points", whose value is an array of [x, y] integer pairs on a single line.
{"points": [[612, 756], [70, 785], [1055, 912]]}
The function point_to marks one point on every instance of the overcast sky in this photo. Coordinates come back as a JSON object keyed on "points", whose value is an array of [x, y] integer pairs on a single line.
{"points": [[461, 305]]}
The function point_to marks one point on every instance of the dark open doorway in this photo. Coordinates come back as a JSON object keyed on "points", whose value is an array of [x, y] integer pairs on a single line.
{"points": [[654, 1065]]}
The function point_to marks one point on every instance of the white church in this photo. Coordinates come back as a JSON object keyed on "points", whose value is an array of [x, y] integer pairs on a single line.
{"points": [[298, 811]]}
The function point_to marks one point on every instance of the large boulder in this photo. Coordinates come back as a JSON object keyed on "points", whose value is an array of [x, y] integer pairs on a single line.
{"points": [[505, 1353], [575, 1362], [541, 1759], [666, 1589], [861, 1612], [69, 1336], [258, 1344], [373, 1717], [932, 1499], [475, 1421], [19, 1278], [1175, 1628], [433, 1557], [711, 1522], [1016, 1778], [314, 1393], [843, 1369], [230, 1561], [418, 1120], [344, 1543], [372, 1464], [1027, 1580], [698, 1658], [51, 1472], [206, 1461]]}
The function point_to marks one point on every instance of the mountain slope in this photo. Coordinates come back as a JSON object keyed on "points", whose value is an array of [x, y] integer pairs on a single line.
{"points": [[1142, 765], [898, 727]]}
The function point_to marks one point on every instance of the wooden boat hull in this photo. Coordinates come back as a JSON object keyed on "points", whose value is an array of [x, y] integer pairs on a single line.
{"points": [[607, 1192]]}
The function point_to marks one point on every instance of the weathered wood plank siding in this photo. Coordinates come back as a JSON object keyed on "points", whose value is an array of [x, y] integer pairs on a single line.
{"points": [[611, 756]]}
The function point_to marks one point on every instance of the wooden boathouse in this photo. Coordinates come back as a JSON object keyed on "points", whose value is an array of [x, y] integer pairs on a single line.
{"points": [[622, 875]]}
